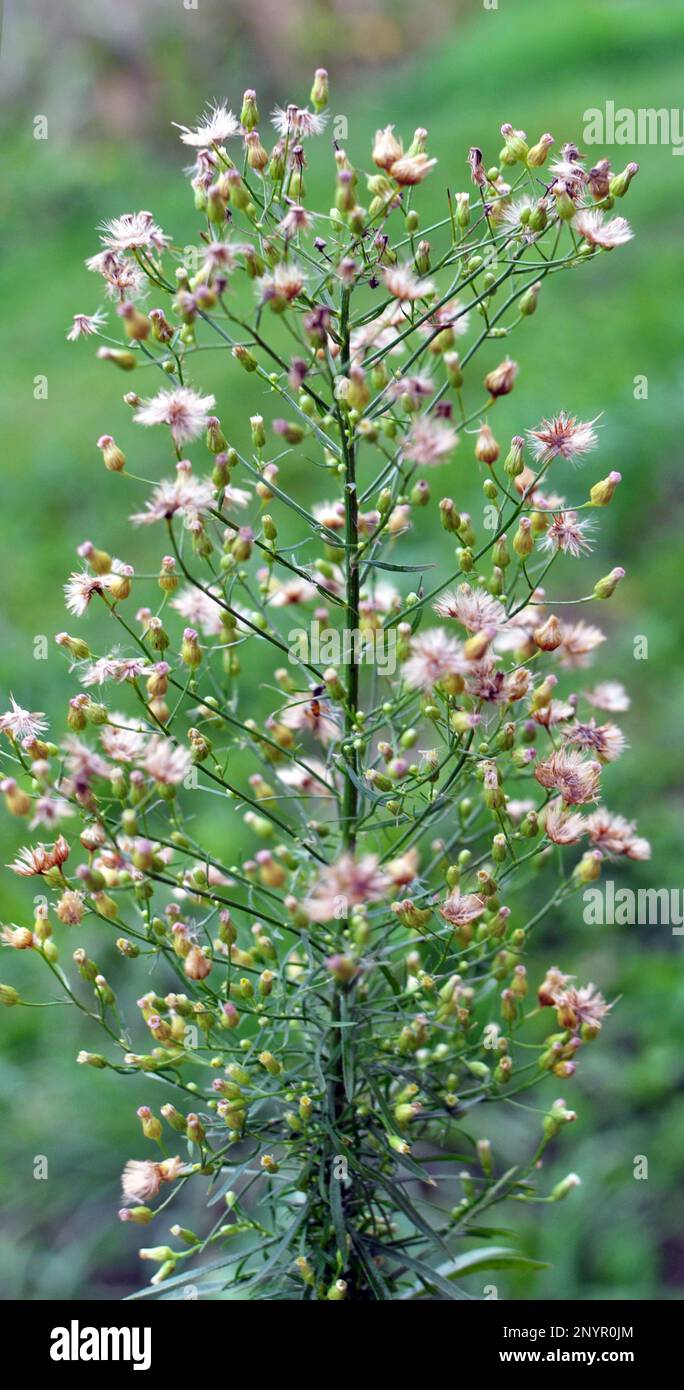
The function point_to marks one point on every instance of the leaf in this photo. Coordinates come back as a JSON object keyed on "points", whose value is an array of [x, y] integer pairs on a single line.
{"points": [[431, 1276], [232, 1178], [347, 1051], [488, 1257], [337, 1213], [398, 1197], [393, 984], [190, 1276], [400, 569], [280, 1249], [375, 1279]]}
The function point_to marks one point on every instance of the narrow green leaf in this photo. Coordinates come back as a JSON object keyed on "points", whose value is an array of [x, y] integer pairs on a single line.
{"points": [[488, 1257]]}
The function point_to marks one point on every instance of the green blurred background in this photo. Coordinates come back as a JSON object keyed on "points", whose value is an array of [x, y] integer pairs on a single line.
{"points": [[111, 75]]}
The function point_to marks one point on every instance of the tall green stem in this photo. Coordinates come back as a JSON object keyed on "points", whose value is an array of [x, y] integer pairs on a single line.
{"points": [[352, 584]]}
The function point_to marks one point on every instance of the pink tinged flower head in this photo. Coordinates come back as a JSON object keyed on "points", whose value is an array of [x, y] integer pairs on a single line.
{"points": [[84, 762], [85, 325], [451, 320], [461, 908], [474, 609], [79, 590], [346, 884], [142, 1178], [133, 231], [583, 1007], [216, 125], [221, 255], [610, 696], [563, 827], [404, 868], [166, 762], [607, 741], [402, 284], [48, 810], [593, 227], [123, 739], [281, 287], [411, 388], [200, 610], [112, 668], [39, 859], [579, 641], [312, 717], [411, 169], [298, 121], [289, 591], [572, 776], [20, 723], [568, 535], [563, 436], [433, 659], [122, 276], [554, 981], [296, 220], [429, 441], [312, 780], [185, 493], [182, 409], [616, 836]]}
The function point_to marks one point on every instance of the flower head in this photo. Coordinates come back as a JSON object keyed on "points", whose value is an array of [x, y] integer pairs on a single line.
{"points": [[434, 658], [404, 285], [615, 835], [607, 741], [20, 723], [298, 121], [182, 409], [472, 608], [592, 226], [429, 441], [579, 641], [567, 534], [185, 493], [84, 325], [133, 231], [165, 761], [122, 276], [563, 436], [610, 696], [115, 668], [79, 590], [567, 772], [461, 908], [123, 739], [217, 124], [142, 1178], [39, 859], [563, 827], [346, 884], [580, 1007]]}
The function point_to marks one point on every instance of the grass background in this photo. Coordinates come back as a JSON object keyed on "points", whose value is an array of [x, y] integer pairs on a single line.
{"points": [[110, 79]]}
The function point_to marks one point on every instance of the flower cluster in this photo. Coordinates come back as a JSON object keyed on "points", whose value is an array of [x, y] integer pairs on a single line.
{"points": [[333, 999]]}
